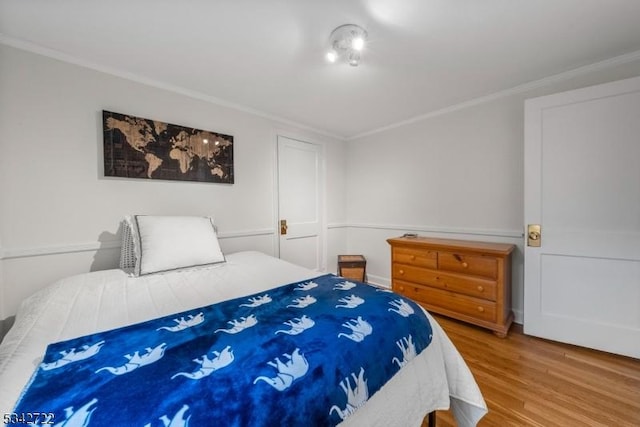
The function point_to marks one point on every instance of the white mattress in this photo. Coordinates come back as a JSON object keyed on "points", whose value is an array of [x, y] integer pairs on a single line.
{"points": [[103, 300]]}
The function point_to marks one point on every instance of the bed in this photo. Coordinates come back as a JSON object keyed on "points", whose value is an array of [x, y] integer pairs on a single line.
{"points": [[104, 301]]}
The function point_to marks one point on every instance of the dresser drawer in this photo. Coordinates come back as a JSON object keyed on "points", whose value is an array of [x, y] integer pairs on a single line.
{"points": [[436, 298], [420, 258], [463, 279], [476, 265], [472, 286]]}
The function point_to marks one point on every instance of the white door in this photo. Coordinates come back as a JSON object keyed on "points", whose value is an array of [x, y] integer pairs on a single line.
{"points": [[300, 202], [582, 185]]}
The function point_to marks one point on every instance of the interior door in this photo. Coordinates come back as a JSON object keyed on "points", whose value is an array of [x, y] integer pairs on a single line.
{"points": [[582, 186], [300, 202]]}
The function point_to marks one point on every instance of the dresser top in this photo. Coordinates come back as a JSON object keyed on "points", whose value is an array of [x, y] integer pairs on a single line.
{"points": [[453, 244]]}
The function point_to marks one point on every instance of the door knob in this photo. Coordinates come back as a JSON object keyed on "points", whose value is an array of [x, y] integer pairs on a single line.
{"points": [[534, 236]]}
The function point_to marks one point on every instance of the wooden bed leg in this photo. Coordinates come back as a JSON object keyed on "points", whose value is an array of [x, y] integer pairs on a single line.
{"points": [[429, 420]]}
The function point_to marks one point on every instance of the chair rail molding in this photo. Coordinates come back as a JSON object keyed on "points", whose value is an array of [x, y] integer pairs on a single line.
{"points": [[45, 250], [515, 234]]}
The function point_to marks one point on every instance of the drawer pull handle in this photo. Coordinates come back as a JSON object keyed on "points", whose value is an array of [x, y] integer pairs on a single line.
{"points": [[481, 309], [459, 259], [480, 288], [401, 288], [401, 271], [412, 257]]}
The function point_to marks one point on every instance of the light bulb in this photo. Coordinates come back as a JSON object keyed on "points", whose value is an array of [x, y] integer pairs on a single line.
{"points": [[332, 56], [205, 141], [357, 43], [354, 59]]}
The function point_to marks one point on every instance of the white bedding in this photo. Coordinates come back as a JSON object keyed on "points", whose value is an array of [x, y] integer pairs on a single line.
{"points": [[103, 300]]}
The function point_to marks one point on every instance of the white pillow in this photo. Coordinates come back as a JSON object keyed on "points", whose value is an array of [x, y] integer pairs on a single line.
{"points": [[127, 251], [163, 243]]}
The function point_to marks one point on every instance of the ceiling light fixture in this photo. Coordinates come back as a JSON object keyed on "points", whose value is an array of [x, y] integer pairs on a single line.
{"points": [[346, 43]]}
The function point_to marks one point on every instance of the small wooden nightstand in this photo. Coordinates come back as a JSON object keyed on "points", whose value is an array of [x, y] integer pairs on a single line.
{"points": [[352, 267]]}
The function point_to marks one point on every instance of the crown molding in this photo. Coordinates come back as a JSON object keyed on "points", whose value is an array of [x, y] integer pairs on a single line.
{"points": [[64, 57], [556, 78]]}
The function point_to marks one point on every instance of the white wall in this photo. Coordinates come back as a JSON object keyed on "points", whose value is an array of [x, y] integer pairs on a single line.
{"points": [[457, 175], [60, 216]]}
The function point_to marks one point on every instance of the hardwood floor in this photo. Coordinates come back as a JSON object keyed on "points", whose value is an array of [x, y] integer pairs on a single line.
{"points": [[528, 381]]}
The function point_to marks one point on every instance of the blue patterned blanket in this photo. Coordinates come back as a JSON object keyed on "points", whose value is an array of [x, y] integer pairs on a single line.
{"points": [[307, 353]]}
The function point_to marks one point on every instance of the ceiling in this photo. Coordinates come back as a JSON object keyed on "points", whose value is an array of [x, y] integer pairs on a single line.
{"points": [[267, 56]]}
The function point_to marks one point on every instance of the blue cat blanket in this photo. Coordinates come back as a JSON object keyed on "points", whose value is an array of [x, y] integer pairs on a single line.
{"points": [[307, 353]]}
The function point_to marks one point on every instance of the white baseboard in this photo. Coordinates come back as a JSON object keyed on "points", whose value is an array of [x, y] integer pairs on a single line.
{"points": [[383, 282], [518, 317]]}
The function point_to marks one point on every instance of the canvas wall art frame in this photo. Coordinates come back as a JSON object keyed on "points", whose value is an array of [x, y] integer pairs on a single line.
{"points": [[135, 147]]}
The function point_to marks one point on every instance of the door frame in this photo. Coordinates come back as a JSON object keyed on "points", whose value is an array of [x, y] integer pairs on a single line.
{"points": [[321, 197]]}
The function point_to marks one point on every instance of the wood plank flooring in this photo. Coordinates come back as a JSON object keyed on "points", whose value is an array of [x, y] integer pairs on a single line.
{"points": [[528, 381]]}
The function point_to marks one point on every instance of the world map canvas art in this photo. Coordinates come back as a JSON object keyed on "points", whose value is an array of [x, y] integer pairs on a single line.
{"points": [[142, 148]]}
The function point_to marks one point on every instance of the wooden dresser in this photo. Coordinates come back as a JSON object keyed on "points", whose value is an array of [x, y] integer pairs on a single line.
{"points": [[466, 280]]}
